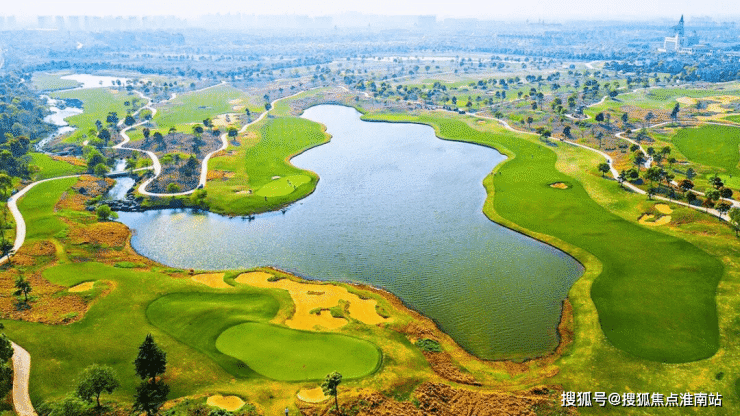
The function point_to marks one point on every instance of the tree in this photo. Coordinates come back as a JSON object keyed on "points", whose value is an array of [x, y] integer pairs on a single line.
{"points": [[529, 121], [95, 380], [599, 117], [654, 174], [566, 131], [22, 287], [639, 159], [173, 188], [717, 182], [686, 185], [70, 406], [6, 372], [604, 168], [329, 386], [233, 132], [105, 213], [145, 131], [268, 106], [151, 361], [112, 118], [101, 169], [150, 396], [690, 173], [734, 218], [129, 120], [197, 130], [723, 208], [649, 116], [625, 117], [674, 112]]}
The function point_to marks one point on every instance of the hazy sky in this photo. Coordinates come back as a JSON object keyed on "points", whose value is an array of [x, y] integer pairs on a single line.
{"points": [[493, 9]]}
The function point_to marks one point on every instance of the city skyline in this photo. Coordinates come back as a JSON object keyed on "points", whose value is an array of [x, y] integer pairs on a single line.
{"points": [[720, 10]]}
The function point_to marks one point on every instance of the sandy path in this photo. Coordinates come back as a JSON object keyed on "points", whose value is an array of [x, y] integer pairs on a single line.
{"points": [[21, 372]]}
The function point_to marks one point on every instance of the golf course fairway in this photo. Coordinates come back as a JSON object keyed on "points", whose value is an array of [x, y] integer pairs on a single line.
{"points": [[290, 355]]}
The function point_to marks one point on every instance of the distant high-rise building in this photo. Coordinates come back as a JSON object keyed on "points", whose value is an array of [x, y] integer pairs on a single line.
{"points": [[679, 42]]}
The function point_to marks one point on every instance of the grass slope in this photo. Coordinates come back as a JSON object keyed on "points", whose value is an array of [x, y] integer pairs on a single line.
{"points": [[197, 319], [255, 163], [98, 102], [711, 145], [194, 107], [50, 168], [656, 293], [290, 355]]}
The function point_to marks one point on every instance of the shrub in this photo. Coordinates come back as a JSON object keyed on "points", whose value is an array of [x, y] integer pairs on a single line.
{"points": [[428, 345]]}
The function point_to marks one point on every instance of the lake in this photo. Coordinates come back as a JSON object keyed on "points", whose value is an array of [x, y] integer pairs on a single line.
{"points": [[396, 208]]}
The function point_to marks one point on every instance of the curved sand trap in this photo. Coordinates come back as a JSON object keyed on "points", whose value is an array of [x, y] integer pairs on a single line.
{"points": [[663, 208], [558, 185], [229, 403], [312, 395], [214, 280], [646, 219], [308, 296], [82, 287]]}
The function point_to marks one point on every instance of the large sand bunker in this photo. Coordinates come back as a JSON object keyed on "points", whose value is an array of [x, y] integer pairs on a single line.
{"points": [[715, 105], [214, 280], [82, 287], [312, 395], [647, 219], [308, 297], [229, 403], [663, 209]]}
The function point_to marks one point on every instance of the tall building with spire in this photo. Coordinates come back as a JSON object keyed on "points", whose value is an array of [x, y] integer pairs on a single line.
{"points": [[679, 42]]}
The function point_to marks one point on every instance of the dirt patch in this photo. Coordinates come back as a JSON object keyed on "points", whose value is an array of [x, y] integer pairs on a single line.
{"points": [[229, 403], [214, 280], [663, 209], [108, 234], [46, 306], [225, 120], [82, 287], [315, 395], [443, 365], [219, 174], [323, 296], [71, 160], [559, 185], [42, 248], [647, 219], [236, 101]]}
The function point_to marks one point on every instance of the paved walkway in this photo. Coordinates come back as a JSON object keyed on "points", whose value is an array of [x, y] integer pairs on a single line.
{"points": [[21, 374]]}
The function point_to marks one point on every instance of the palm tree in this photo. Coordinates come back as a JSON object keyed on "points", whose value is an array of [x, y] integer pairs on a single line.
{"points": [[23, 287]]}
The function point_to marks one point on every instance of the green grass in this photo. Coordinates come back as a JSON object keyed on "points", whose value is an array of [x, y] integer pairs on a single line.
{"points": [[283, 186], [290, 355], [194, 107], [50, 168], [656, 293], [97, 102], [254, 165], [38, 210], [711, 145], [51, 82], [197, 319]]}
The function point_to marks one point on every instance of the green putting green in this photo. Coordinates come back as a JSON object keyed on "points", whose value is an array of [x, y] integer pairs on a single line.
{"points": [[283, 186], [290, 355], [197, 319], [716, 146]]}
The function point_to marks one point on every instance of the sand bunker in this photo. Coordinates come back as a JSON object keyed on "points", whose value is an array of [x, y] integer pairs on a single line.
{"points": [[663, 208], [312, 395], [236, 101], [214, 280], [229, 403], [82, 287], [224, 120], [558, 185], [715, 105], [308, 297], [647, 219]]}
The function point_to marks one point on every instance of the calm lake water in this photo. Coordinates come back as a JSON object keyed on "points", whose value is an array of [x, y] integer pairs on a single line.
{"points": [[397, 208]]}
